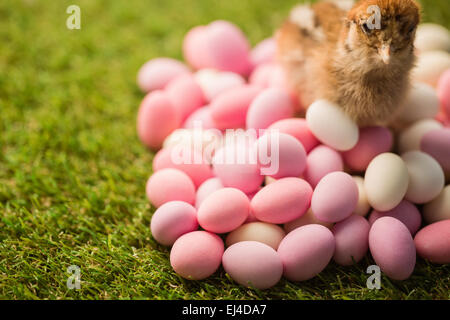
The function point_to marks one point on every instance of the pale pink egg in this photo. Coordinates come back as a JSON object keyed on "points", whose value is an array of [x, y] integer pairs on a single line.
{"points": [[372, 142], [184, 159], [185, 95], [207, 188], [307, 218], [253, 264], [172, 220], [269, 106], [157, 73], [282, 201], [444, 92], [195, 49], [229, 109], [298, 128], [437, 144], [196, 255], [352, 240], [223, 210], [306, 251], [335, 197], [214, 82], [267, 233], [406, 212], [156, 119], [262, 75], [170, 185], [392, 248], [200, 118], [320, 162], [263, 52], [237, 167], [280, 155], [432, 242], [228, 48]]}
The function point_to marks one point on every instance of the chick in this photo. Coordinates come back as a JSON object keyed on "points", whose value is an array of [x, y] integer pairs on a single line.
{"points": [[359, 59]]}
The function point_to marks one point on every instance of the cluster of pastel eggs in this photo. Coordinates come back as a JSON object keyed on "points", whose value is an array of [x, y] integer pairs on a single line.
{"points": [[339, 191]]}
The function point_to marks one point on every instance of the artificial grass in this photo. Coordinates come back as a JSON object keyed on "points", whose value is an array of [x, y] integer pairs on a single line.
{"points": [[73, 173]]}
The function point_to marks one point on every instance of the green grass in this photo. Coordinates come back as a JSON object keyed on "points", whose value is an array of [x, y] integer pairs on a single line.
{"points": [[72, 171]]}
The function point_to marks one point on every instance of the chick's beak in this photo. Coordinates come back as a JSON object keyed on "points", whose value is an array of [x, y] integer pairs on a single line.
{"points": [[385, 53]]}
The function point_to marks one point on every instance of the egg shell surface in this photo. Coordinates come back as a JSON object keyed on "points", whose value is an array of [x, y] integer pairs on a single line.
{"points": [[411, 138], [298, 128], [206, 188], [321, 161], [439, 208], [436, 143], [185, 95], [307, 218], [267, 233], [433, 242], [157, 73], [363, 206], [406, 212]]}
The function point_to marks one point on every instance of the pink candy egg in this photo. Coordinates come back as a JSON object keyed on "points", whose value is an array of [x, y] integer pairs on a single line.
{"points": [[335, 197], [392, 248], [288, 157], [200, 117], [432, 242], [236, 166], [306, 251], [444, 92], [352, 240], [170, 185], [184, 159], [224, 210], [282, 201], [269, 106], [372, 142], [298, 128], [437, 144], [207, 188], [406, 212], [185, 95], [196, 255], [228, 48], [267, 233], [263, 52], [172, 220], [157, 73], [215, 82], [262, 75], [320, 162], [195, 49], [253, 264], [229, 109], [157, 118], [307, 218]]}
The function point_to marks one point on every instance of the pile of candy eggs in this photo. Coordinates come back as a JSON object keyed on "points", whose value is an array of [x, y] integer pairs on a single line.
{"points": [[302, 187]]}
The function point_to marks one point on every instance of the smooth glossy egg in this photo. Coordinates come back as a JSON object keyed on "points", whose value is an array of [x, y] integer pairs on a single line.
{"points": [[386, 181], [196, 255], [280, 155], [411, 137], [320, 162], [406, 212], [335, 197], [352, 240], [306, 251], [229, 109], [157, 118], [185, 95], [426, 177], [172, 220], [206, 188], [439, 208], [392, 248], [421, 103], [433, 242], [332, 126], [436, 143], [269, 106], [200, 118], [215, 82], [157, 73], [282, 201], [170, 185], [267, 233], [253, 264], [223, 210], [263, 52], [372, 142], [298, 128], [195, 50]]}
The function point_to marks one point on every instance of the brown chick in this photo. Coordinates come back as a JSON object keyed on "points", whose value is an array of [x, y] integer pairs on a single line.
{"points": [[344, 57]]}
